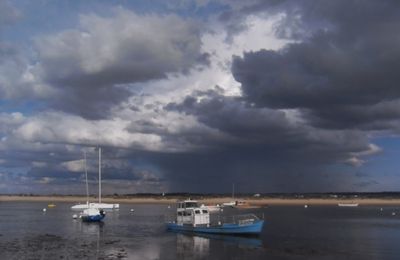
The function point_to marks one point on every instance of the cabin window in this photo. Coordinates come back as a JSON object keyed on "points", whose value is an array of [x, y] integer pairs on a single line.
{"points": [[188, 213], [197, 211], [190, 204], [205, 211], [179, 213]]}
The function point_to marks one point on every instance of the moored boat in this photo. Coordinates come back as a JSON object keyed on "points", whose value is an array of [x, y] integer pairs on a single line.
{"points": [[92, 212], [192, 218], [348, 204], [92, 215], [105, 206], [229, 204], [212, 208]]}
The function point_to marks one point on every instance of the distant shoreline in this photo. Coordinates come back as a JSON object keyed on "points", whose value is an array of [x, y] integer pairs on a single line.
{"points": [[206, 200]]}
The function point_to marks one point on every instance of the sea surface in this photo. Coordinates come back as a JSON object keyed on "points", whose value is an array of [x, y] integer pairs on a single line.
{"points": [[290, 232]]}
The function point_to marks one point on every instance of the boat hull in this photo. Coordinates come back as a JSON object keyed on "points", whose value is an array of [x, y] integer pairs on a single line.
{"points": [[95, 218], [105, 206], [234, 229]]}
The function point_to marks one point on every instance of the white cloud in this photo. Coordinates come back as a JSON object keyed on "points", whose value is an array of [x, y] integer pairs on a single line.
{"points": [[54, 127], [125, 47], [355, 159], [260, 35], [73, 166]]}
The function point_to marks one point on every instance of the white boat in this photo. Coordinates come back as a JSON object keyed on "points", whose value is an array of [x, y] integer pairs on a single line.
{"points": [[348, 204], [90, 208], [233, 202], [99, 205], [105, 206], [229, 204], [211, 208]]}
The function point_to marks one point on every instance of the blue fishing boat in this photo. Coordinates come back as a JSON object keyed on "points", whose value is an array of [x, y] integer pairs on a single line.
{"points": [[192, 218]]}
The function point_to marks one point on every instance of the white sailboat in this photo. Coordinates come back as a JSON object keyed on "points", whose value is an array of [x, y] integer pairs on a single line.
{"points": [[99, 205], [233, 202]]}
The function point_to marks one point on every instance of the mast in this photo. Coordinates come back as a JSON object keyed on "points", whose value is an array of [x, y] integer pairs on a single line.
{"points": [[233, 190], [87, 185], [99, 174]]}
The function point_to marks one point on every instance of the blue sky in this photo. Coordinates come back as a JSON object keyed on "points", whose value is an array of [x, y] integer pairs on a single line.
{"points": [[275, 96]]}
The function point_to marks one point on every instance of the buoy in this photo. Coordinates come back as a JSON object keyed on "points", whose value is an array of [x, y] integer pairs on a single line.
{"points": [[393, 213], [305, 206], [169, 206], [381, 209], [44, 210], [132, 210], [74, 216]]}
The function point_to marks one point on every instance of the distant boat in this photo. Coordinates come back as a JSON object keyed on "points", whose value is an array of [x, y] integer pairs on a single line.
{"points": [[192, 218], [233, 202], [51, 205], [229, 204], [348, 204], [212, 208]]}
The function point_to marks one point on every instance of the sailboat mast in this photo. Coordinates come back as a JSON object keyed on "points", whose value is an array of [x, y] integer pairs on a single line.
{"points": [[233, 190], [87, 185], [99, 174]]}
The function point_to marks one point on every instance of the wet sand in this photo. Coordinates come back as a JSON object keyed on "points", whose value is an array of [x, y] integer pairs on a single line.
{"points": [[248, 202]]}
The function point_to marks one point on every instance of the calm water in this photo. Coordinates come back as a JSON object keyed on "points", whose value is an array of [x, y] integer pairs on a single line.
{"points": [[290, 233]]}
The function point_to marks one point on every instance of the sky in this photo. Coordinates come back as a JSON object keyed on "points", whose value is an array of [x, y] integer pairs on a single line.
{"points": [[197, 95]]}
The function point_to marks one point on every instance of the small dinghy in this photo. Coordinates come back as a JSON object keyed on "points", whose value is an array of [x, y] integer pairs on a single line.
{"points": [[193, 218]]}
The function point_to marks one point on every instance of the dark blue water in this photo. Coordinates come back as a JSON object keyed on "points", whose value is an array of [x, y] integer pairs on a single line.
{"points": [[324, 232]]}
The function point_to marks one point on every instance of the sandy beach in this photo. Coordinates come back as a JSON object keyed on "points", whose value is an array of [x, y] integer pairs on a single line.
{"points": [[205, 200]]}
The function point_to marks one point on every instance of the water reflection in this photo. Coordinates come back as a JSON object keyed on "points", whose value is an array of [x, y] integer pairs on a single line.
{"points": [[188, 244], [90, 231]]}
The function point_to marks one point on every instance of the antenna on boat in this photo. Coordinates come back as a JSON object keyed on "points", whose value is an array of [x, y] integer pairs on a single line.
{"points": [[99, 174]]}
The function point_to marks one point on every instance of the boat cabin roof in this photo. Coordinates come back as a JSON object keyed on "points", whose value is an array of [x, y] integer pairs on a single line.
{"points": [[188, 204]]}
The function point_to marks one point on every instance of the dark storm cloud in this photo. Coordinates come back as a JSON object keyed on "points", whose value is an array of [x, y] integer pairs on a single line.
{"points": [[89, 65], [259, 144], [344, 75], [252, 169], [339, 79], [232, 115], [62, 171], [254, 126]]}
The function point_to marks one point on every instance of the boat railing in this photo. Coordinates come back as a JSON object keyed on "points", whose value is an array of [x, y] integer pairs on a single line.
{"points": [[236, 219]]}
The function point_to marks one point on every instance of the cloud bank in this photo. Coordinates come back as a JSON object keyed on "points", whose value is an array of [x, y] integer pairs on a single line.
{"points": [[272, 95]]}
